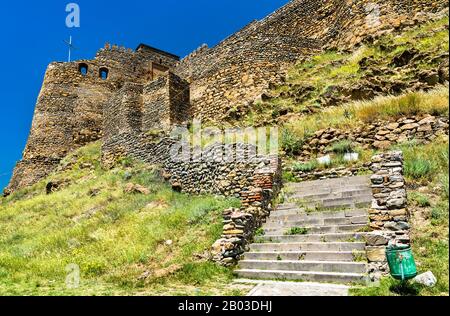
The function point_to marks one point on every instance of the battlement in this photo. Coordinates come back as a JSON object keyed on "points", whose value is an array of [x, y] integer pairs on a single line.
{"points": [[144, 48]]}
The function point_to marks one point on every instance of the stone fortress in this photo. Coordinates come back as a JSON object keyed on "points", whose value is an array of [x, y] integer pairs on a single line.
{"points": [[122, 94], [132, 99]]}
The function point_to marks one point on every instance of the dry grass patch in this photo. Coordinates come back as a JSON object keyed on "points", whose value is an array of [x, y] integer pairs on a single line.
{"points": [[391, 108]]}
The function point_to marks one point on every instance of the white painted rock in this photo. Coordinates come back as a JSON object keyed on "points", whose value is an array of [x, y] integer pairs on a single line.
{"points": [[351, 157], [427, 279], [326, 160], [169, 242]]}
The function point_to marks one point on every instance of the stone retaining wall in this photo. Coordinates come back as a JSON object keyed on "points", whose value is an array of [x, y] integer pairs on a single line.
{"points": [[332, 173], [378, 135], [255, 180], [240, 225]]}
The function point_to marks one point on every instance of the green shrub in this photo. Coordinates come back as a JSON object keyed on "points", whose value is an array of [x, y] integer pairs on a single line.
{"points": [[418, 168], [290, 143], [342, 147], [260, 232], [305, 167], [288, 177], [439, 214], [297, 231], [420, 199]]}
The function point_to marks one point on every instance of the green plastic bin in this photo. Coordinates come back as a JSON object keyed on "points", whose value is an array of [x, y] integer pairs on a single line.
{"points": [[401, 263]]}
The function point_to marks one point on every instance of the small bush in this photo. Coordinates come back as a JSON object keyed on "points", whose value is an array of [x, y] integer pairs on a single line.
{"points": [[288, 177], [342, 147], [290, 143], [420, 199], [305, 167], [439, 214], [418, 168], [260, 232], [297, 231]]}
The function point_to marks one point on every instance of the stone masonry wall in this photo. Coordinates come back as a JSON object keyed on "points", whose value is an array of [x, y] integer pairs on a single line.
{"points": [[240, 68], [255, 181], [389, 217], [69, 110], [378, 135], [68, 115], [240, 225], [138, 119]]}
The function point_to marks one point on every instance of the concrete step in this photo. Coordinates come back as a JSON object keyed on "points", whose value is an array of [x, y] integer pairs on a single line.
{"points": [[340, 203], [306, 246], [334, 229], [296, 289], [331, 205], [328, 189], [342, 200], [319, 195], [287, 206], [325, 238], [345, 181], [309, 221], [308, 276], [296, 265], [298, 215], [343, 256]]}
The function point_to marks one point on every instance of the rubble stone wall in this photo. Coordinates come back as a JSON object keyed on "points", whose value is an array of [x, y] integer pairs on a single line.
{"points": [[378, 135], [389, 216]]}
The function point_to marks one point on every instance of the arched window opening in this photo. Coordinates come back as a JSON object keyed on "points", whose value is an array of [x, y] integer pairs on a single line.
{"points": [[83, 69], [104, 72]]}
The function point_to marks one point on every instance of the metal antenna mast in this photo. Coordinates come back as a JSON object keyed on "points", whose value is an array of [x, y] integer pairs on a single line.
{"points": [[71, 47]]}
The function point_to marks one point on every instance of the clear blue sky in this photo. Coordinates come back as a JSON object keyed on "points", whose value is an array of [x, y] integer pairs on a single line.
{"points": [[32, 35]]}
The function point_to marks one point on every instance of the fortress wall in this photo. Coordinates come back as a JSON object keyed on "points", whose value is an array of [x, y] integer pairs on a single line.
{"points": [[263, 50], [137, 118], [241, 67], [166, 103], [179, 96], [357, 20], [69, 110], [156, 111], [156, 56], [68, 115]]}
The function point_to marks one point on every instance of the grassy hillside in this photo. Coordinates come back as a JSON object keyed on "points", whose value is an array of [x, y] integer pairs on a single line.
{"points": [[394, 64], [124, 243], [148, 240]]}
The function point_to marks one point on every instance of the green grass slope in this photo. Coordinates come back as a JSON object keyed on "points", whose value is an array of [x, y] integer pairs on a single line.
{"points": [[123, 243]]}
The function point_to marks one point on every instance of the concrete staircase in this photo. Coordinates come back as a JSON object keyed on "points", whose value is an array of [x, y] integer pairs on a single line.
{"points": [[315, 236]]}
